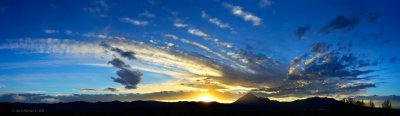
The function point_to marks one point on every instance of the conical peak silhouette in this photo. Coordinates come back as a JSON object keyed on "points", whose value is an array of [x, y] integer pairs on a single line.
{"points": [[250, 98]]}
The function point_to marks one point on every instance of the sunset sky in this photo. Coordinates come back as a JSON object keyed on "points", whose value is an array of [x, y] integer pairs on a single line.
{"points": [[206, 50]]}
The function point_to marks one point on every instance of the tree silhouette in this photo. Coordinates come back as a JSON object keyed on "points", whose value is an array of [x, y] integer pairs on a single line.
{"points": [[371, 104], [349, 100], [353, 101], [360, 102], [387, 104]]}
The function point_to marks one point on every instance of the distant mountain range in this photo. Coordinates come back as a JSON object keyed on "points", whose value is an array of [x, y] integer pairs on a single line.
{"points": [[313, 102], [247, 105]]}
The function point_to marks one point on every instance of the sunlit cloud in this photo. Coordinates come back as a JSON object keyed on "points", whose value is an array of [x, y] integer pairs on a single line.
{"points": [[103, 50], [167, 96], [325, 71], [241, 71]]}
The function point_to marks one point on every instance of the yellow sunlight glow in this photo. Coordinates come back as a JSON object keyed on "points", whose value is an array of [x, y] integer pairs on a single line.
{"points": [[205, 98]]}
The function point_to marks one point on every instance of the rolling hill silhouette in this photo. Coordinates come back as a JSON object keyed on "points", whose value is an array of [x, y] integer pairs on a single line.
{"points": [[313, 102], [247, 105]]}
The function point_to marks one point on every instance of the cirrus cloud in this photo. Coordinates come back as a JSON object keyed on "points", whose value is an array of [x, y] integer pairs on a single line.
{"points": [[247, 16]]}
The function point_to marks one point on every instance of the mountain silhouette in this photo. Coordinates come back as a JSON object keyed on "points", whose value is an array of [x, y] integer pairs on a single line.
{"points": [[250, 98], [319, 102], [247, 105]]}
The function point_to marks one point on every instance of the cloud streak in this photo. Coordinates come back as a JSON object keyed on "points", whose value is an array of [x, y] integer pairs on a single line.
{"points": [[225, 97], [320, 71], [264, 3], [215, 21], [197, 33], [134, 21], [247, 16], [324, 71]]}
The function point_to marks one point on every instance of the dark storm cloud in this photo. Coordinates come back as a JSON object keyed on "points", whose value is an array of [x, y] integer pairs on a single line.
{"points": [[325, 62], [359, 86], [301, 31], [126, 54], [129, 78], [324, 70], [118, 63], [97, 90], [110, 89], [341, 23]]}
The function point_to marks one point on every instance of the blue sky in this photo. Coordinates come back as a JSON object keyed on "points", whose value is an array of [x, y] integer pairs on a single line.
{"points": [[283, 48]]}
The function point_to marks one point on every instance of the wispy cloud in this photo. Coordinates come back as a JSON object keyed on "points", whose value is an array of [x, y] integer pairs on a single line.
{"points": [[215, 21], [197, 45], [264, 3], [147, 14], [103, 36], [160, 95], [13, 65], [54, 46], [68, 32], [180, 25], [224, 47], [157, 60], [2, 86], [197, 32], [98, 7], [325, 70], [51, 31], [101, 91], [247, 16], [135, 22], [309, 74]]}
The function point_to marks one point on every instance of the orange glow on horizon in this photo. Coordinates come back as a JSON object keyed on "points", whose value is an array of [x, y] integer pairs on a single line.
{"points": [[206, 98]]}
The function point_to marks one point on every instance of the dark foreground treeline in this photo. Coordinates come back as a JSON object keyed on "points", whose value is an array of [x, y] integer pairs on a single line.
{"points": [[307, 107]]}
